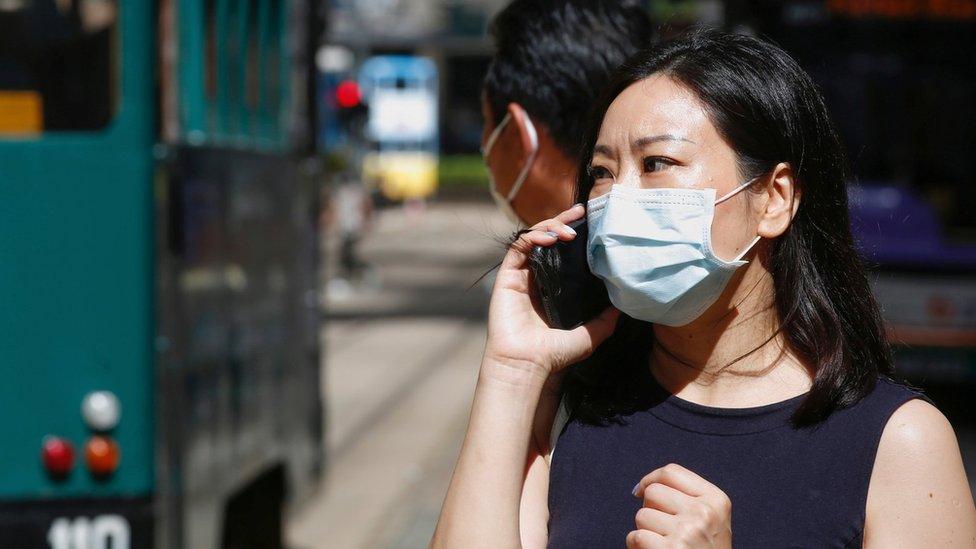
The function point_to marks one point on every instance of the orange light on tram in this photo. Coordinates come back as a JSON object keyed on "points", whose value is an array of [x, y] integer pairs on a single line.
{"points": [[102, 455]]}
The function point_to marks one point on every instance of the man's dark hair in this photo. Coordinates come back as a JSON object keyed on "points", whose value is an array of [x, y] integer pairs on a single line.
{"points": [[553, 57]]}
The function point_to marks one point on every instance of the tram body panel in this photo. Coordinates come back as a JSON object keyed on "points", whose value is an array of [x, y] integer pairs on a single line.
{"points": [[177, 273], [238, 321], [77, 283]]}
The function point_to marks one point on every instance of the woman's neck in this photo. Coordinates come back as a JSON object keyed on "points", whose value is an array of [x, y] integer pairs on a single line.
{"points": [[698, 362]]}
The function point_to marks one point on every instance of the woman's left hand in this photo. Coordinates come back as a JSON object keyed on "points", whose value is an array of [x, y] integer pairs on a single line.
{"points": [[681, 509]]}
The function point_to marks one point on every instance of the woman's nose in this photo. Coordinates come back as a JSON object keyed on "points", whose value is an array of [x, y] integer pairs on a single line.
{"points": [[628, 177]]}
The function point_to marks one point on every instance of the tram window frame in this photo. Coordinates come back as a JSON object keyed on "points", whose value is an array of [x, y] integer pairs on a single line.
{"points": [[221, 105], [251, 96], [211, 77], [48, 98], [276, 109], [243, 67]]}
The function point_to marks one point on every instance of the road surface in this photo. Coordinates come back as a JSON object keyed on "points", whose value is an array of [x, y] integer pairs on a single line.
{"points": [[401, 352]]}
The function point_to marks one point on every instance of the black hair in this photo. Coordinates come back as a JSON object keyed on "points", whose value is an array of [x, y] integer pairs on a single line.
{"points": [[553, 57], [769, 111]]}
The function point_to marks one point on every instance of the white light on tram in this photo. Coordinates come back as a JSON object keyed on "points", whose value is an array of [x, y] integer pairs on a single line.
{"points": [[101, 410]]}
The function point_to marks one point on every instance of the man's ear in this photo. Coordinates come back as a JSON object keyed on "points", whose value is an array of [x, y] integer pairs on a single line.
{"points": [[527, 130], [782, 200]]}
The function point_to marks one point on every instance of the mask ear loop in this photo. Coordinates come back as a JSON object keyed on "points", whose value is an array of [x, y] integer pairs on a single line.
{"points": [[736, 190], [523, 175], [749, 247], [729, 195], [486, 150]]}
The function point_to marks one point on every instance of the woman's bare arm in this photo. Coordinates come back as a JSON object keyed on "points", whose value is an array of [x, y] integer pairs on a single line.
{"points": [[534, 508], [496, 474], [482, 504], [919, 495]]}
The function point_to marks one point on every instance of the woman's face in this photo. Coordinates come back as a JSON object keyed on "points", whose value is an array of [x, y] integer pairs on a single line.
{"points": [[657, 134]]}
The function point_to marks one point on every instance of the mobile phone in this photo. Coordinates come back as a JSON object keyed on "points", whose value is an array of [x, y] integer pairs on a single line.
{"points": [[569, 293]]}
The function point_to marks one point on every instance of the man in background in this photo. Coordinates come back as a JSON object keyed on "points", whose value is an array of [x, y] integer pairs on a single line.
{"points": [[349, 213], [552, 59]]}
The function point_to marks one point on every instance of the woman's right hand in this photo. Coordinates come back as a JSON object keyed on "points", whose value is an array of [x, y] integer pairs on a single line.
{"points": [[519, 340]]}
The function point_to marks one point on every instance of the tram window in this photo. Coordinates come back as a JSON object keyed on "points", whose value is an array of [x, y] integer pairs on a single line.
{"points": [[273, 89], [252, 77], [234, 62], [242, 68], [210, 53], [58, 65]]}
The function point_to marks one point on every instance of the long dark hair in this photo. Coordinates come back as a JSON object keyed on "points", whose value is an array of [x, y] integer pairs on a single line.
{"points": [[769, 111]]}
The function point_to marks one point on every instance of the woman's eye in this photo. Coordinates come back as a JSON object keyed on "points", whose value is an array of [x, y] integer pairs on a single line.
{"points": [[599, 172], [656, 163]]}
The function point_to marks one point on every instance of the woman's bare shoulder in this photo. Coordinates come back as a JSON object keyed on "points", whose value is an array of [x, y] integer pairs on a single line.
{"points": [[919, 494]]}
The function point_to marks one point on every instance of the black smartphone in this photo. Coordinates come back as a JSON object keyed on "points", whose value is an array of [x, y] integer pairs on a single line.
{"points": [[569, 293]]}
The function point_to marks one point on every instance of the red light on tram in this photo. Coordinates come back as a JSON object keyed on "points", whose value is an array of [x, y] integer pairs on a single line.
{"points": [[102, 455], [58, 456], [348, 94]]}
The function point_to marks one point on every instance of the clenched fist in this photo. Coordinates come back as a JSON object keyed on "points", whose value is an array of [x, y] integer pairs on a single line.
{"points": [[681, 510]]}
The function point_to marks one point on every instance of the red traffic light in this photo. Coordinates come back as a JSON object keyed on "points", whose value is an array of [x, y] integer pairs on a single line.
{"points": [[348, 94], [58, 456]]}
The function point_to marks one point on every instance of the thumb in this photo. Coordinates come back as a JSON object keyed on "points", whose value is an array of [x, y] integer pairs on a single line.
{"points": [[580, 342]]}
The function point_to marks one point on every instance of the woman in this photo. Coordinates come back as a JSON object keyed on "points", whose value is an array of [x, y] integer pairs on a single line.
{"points": [[744, 388]]}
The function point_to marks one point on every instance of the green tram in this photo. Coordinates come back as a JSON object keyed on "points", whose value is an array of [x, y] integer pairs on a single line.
{"points": [[158, 277]]}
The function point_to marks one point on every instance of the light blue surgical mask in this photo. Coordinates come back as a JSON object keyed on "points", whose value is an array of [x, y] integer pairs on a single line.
{"points": [[653, 249]]}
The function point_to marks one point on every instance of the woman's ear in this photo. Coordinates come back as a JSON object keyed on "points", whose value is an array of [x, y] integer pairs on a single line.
{"points": [[528, 137], [782, 200]]}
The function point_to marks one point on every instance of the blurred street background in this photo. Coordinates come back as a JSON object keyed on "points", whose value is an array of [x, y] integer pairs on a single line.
{"points": [[242, 241], [403, 361]]}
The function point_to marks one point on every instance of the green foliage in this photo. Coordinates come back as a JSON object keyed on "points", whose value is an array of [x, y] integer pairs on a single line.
{"points": [[462, 171]]}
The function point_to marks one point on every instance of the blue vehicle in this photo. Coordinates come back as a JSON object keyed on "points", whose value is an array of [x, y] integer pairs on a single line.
{"points": [[926, 283], [401, 128]]}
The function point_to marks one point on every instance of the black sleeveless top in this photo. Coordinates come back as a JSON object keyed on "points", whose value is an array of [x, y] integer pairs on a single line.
{"points": [[789, 487]]}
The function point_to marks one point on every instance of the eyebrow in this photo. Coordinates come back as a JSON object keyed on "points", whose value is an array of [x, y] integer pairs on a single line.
{"points": [[642, 142], [663, 137]]}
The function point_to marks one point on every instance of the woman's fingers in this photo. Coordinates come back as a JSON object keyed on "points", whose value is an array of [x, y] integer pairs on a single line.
{"points": [[564, 231], [519, 251], [572, 214], [665, 498], [559, 225], [580, 342], [677, 477], [683, 506], [645, 539], [654, 520], [544, 233]]}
